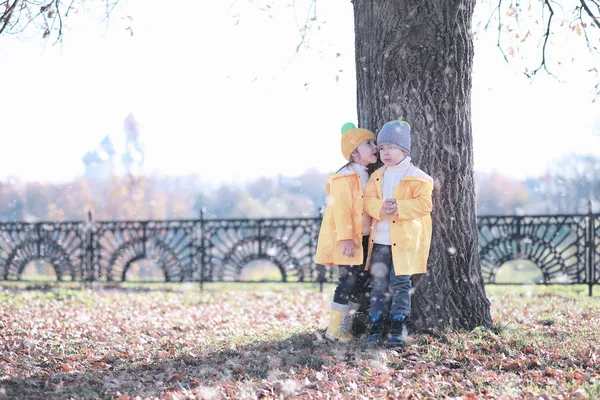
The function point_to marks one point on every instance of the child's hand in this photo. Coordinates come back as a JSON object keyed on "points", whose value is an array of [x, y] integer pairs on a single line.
{"points": [[348, 247], [390, 206]]}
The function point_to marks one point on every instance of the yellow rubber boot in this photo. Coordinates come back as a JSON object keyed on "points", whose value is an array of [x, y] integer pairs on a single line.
{"points": [[340, 324], [335, 319]]}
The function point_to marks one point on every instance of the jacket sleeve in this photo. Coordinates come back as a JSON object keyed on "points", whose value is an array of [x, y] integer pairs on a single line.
{"points": [[372, 203], [341, 195], [418, 206]]}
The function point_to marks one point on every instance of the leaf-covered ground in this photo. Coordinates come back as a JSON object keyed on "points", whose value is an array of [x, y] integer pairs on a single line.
{"points": [[265, 342]]}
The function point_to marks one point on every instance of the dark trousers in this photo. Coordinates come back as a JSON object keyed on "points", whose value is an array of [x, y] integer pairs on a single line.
{"points": [[387, 287], [353, 282]]}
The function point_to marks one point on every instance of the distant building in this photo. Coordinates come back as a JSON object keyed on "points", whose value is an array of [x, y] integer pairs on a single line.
{"points": [[105, 161]]}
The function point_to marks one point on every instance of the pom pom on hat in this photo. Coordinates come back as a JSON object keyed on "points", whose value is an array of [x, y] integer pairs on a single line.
{"points": [[352, 137], [347, 126], [395, 133]]}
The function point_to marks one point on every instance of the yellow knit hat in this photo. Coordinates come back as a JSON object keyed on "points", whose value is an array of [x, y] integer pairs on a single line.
{"points": [[352, 137]]}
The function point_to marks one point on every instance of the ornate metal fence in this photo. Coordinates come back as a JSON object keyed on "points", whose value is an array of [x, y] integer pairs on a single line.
{"points": [[565, 248]]}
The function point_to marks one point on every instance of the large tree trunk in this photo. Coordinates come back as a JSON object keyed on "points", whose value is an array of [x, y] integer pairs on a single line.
{"points": [[414, 59]]}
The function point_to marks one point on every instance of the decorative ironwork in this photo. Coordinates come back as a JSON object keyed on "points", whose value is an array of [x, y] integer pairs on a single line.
{"points": [[566, 248], [556, 244], [61, 244], [171, 245], [229, 245]]}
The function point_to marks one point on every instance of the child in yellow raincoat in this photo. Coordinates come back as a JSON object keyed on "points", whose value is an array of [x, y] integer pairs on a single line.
{"points": [[345, 229], [399, 199]]}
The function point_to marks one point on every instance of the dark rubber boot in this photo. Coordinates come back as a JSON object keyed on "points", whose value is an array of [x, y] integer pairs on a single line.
{"points": [[397, 326], [376, 328]]}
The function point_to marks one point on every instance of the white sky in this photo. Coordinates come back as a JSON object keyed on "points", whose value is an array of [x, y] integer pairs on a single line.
{"points": [[233, 102]]}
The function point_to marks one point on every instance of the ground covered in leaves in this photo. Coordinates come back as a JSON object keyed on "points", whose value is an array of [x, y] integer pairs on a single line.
{"points": [[265, 342]]}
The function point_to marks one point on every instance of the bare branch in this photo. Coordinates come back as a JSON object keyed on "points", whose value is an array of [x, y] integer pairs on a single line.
{"points": [[28, 13], [69, 8], [489, 21], [60, 26], [30, 19], [593, 2], [590, 13], [45, 16], [7, 15], [585, 33], [304, 28], [500, 30], [109, 9], [546, 36], [22, 7]]}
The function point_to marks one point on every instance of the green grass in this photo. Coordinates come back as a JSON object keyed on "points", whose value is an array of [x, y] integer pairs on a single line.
{"points": [[519, 271], [50, 285]]}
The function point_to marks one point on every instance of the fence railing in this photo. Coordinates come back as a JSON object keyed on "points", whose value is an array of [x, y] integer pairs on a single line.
{"points": [[566, 248]]}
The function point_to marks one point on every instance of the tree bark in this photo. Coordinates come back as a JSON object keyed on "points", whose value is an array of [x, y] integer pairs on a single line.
{"points": [[414, 59]]}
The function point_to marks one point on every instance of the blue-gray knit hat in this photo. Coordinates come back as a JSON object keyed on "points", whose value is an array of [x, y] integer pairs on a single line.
{"points": [[395, 133]]}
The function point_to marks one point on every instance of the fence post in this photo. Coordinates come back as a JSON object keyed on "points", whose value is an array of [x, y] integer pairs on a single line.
{"points": [[202, 250], [260, 238], [144, 238], [321, 277], [38, 234], [89, 248], [590, 249]]}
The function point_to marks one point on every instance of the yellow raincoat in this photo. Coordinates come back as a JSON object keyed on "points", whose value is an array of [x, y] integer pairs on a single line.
{"points": [[342, 220], [410, 228]]}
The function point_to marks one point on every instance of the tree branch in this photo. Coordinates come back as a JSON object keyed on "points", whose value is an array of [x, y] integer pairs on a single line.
{"points": [[109, 9], [585, 33], [69, 8], [546, 36], [307, 23], [25, 6], [589, 12], [489, 21], [60, 22], [7, 15], [46, 16], [500, 30]]}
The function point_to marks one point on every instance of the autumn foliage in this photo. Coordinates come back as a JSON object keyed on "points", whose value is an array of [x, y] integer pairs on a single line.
{"points": [[266, 342]]}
